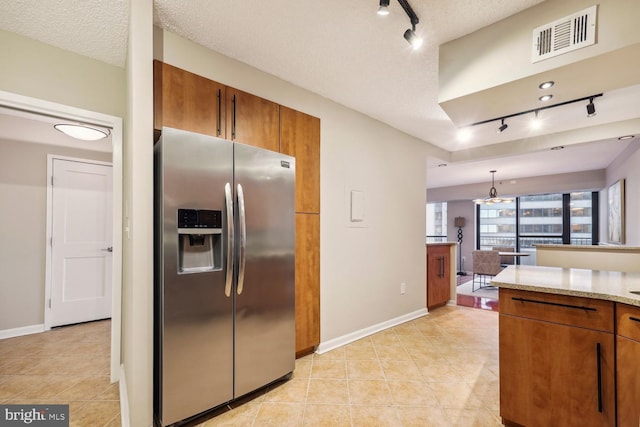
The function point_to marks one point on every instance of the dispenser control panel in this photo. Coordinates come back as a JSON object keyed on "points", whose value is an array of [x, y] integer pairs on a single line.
{"points": [[199, 218]]}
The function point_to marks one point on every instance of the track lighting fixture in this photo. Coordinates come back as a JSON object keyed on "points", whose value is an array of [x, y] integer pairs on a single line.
{"points": [[503, 127], [413, 39], [410, 35], [591, 108], [384, 8], [591, 111]]}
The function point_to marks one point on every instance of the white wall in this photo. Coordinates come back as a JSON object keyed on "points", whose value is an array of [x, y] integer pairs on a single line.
{"points": [[23, 192], [361, 268], [626, 166]]}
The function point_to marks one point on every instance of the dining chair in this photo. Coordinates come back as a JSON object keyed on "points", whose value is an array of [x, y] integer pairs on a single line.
{"points": [[486, 264]]}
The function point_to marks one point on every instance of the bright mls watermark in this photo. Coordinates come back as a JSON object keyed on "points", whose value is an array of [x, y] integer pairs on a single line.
{"points": [[34, 415]]}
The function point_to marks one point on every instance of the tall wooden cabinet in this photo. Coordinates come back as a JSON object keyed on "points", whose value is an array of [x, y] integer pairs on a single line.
{"points": [[300, 138], [557, 360], [187, 101], [438, 275], [627, 364]]}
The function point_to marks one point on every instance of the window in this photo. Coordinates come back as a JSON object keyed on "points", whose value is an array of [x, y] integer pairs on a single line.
{"points": [[436, 222], [539, 219]]}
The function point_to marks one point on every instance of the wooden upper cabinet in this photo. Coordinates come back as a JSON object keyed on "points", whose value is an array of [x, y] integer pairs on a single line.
{"points": [[187, 101], [300, 138], [252, 120]]}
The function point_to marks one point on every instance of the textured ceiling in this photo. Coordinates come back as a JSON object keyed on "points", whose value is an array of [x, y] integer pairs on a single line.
{"points": [[94, 28], [341, 50]]}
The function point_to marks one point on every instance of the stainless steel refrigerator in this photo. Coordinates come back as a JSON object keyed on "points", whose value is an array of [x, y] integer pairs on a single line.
{"points": [[224, 272]]}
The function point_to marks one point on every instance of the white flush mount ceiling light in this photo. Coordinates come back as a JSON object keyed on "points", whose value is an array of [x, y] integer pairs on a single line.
{"points": [[493, 195], [81, 131], [410, 35], [626, 137], [547, 85], [545, 98]]}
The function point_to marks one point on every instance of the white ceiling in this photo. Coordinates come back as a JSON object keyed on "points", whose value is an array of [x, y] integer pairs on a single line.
{"points": [[344, 51]]}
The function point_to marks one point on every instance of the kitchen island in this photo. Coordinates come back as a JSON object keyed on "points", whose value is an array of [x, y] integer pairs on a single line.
{"points": [[569, 346]]}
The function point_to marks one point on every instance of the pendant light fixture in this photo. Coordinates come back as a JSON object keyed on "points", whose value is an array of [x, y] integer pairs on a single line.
{"points": [[493, 195]]}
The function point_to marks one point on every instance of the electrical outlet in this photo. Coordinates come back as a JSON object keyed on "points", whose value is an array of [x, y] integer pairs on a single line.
{"points": [[403, 288]]}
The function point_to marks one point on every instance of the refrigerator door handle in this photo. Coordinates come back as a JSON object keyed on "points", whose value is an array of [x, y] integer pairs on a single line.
{"points": [[243, 239], [230, 237]]}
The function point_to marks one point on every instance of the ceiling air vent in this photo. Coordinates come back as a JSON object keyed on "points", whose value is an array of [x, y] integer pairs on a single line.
{"points": [[564, 35]]}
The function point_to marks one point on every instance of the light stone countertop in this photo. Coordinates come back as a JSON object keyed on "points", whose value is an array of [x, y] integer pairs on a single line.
{"points": [[595, 248], [597, 284]]}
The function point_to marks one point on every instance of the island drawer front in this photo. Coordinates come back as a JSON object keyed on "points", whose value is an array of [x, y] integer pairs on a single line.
{"points": [[628, 321], [567, 310]]}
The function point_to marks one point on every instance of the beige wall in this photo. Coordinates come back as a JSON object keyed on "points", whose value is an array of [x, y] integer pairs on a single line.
{"points": [[361, 268], [626, 166], [38, 70], [137, 293], [23, 195], [576, 181]]}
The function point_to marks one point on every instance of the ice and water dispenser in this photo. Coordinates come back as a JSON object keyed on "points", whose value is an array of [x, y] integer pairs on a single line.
{"points": [[200, 240]]}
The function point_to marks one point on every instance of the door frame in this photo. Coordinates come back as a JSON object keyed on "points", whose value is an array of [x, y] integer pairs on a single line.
{"points": [[66, 112], [48, 278]]}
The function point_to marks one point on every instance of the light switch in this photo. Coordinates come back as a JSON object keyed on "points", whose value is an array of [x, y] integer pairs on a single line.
{"points": [[357, 206]]}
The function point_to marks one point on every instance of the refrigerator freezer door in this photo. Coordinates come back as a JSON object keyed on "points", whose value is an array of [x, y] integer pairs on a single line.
{"points": [[265, 319], [195, 366]]}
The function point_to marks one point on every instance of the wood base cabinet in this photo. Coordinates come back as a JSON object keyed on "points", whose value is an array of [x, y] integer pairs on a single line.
{"points": [[438, 275], [628, 364], [557, 360]]}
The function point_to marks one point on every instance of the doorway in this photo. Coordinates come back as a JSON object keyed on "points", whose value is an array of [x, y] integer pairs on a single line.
{"points": [[79, 210], [46, 111]]}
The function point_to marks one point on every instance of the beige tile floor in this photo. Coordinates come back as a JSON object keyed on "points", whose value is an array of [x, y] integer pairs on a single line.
{"points": [[439, 370], [67, 365]]}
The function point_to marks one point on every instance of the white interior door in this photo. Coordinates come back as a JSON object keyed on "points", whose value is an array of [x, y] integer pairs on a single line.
{"points": [[81, 246]]}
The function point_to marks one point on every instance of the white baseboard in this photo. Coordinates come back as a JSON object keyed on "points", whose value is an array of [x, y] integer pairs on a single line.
{"points": [[25, 330], [451, 302], [354, 336], [124, 399]]}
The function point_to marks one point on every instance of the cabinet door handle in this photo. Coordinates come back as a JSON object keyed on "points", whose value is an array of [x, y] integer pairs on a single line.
{"points": [[219, 112], [599, 364], [577, 307], [233, 126], [441, 272], [635, 319]]}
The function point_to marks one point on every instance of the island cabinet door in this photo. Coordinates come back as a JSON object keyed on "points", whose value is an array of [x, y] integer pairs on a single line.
{"points": [[628, 364], [555, 375]]}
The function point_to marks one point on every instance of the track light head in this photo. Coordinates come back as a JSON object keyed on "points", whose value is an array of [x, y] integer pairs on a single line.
{"points": [[413, 39], [383, 10], [502, 127], [591, 108]]}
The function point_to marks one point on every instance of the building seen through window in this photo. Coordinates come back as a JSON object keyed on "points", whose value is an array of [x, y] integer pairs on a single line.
{"points": [[436, 222]]}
